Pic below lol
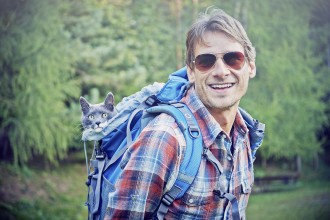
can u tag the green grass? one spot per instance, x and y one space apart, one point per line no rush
60 193
310 200
52 195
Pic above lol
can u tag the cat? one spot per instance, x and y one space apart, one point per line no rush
96 117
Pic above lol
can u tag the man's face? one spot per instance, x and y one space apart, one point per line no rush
221 87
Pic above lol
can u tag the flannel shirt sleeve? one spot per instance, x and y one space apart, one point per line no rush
147 165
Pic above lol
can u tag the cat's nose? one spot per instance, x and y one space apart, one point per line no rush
98 123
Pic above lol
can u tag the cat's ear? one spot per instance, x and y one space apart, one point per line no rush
84 105
109 101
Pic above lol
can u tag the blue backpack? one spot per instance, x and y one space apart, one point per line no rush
134 113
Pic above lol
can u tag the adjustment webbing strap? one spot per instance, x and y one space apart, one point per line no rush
234 205
97 196
116 156
167 200
129 138
210 157
86 158
221 193
232 200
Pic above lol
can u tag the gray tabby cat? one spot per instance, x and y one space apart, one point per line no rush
96 116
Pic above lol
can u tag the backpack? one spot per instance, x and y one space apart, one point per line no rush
134 113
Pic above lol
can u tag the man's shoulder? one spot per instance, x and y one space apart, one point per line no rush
164 125
162 122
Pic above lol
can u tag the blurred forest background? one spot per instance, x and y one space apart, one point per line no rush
52 52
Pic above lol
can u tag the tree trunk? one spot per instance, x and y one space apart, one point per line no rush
263 163
179 54
316 161
298 164
195 8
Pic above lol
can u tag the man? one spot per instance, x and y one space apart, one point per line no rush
220 61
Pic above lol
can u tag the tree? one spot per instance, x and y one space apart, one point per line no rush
320 35
52 49
124 44
285 94
36 81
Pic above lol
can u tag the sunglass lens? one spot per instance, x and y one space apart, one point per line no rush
234 59
204 62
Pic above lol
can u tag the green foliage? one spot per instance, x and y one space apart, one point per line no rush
36 80
285 94
121 44
52 49
320 36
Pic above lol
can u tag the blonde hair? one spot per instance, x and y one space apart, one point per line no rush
217 21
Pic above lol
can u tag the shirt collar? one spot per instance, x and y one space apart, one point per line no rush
239 124
210 128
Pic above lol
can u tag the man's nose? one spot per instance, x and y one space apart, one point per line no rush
220 68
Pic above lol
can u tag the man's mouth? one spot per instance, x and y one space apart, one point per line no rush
221 86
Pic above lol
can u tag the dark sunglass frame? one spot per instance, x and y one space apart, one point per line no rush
234 60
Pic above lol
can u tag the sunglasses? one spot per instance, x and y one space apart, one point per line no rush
234 60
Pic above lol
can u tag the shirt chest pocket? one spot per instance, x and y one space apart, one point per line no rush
246 186
243 179
198 197
195 204
243 172
198 201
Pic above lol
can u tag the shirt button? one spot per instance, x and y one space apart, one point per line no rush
191 201
228 157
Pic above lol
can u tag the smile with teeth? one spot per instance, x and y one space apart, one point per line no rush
222 86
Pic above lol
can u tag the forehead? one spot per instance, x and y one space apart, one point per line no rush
217 42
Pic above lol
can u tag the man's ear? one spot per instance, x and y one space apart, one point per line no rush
191 75
253 69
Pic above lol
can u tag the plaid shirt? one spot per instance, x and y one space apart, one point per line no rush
151 164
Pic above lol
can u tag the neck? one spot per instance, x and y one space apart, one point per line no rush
225 118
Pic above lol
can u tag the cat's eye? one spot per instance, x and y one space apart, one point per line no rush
91 116
104 115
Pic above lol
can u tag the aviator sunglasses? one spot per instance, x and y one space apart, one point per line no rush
234 60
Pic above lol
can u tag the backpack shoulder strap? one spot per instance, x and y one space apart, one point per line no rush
193 153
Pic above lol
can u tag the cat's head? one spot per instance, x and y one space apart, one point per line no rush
97 116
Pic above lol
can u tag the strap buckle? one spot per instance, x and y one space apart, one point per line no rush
219 193
167 199
151 100
192 130
100 156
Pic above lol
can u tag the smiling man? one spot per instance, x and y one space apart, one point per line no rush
220 62
219 69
